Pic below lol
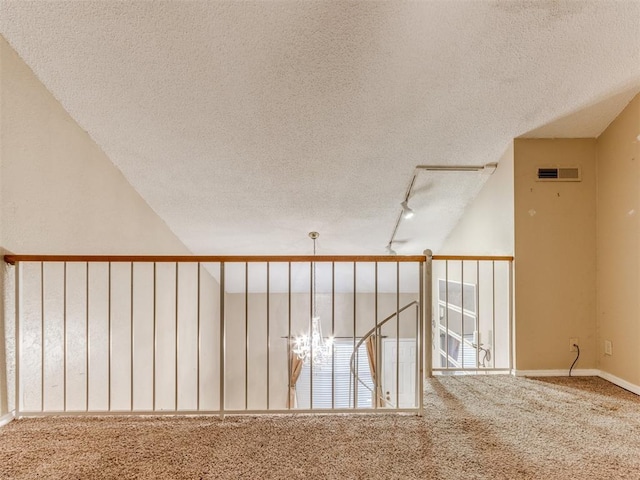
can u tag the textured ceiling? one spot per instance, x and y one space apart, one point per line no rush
246 125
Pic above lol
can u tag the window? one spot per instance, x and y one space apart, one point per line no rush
457 323
342 380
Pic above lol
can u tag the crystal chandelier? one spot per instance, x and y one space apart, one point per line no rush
313 346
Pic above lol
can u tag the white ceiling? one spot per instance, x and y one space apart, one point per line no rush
246 125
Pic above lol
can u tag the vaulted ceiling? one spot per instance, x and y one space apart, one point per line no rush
245 125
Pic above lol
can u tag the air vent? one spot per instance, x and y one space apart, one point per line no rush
559 174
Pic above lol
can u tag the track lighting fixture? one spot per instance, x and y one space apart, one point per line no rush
406 211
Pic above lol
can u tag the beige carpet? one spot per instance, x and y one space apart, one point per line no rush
488 427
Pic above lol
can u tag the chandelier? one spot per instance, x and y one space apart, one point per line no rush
312 345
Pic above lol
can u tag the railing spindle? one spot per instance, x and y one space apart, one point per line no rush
477 325
420 333
222 339
355 379
42 365
18 358
397 335
177 339
493 319
110 337
311 289
87 340
246 335
289 386
268 334
462 343
64 337
132 337
333 330
510 301
446 312
426 315
376 338
199 340
155 335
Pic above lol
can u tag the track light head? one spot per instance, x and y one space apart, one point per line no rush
406 211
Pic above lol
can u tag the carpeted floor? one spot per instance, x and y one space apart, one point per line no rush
486 427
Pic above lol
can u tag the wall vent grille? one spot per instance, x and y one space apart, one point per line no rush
559 174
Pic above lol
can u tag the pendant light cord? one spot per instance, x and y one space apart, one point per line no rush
315 303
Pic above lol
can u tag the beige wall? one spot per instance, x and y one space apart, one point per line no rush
555 248
486 227
59 192
618 241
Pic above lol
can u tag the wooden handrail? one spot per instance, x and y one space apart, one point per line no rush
11 259
473 257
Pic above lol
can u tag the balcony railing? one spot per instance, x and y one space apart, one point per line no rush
209 335
213 335
473 316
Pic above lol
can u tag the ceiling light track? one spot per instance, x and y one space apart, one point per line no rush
407 212
490 167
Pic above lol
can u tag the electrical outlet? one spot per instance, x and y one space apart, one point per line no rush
572 342
608 347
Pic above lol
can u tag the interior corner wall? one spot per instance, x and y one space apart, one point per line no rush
555 255
486 227
60 194
618 243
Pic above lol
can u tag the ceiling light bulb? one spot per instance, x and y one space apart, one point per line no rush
406 211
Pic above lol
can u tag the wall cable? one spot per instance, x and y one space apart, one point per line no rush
577 357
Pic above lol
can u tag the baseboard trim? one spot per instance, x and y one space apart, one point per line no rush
581 372
578 372
6 418
620 382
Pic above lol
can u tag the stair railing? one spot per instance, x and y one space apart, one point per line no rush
376 381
